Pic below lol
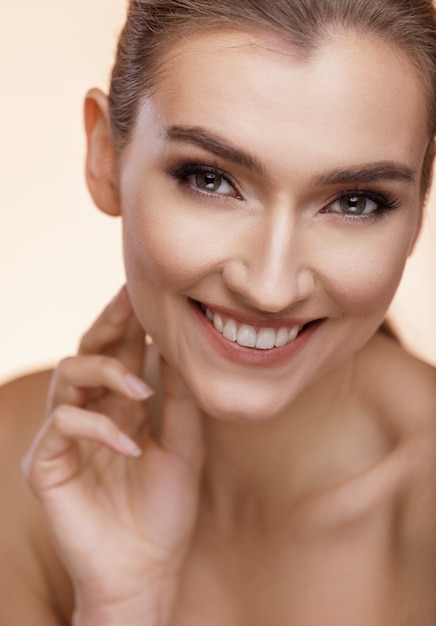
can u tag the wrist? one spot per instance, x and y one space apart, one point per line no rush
150 608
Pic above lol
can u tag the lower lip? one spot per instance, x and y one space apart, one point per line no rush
252 356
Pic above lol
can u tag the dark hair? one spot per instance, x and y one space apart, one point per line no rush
153 27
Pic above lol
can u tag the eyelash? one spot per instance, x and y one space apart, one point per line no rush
385 205
385 202
182 173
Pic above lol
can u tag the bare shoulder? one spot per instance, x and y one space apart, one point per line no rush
395 394
34 587
22 405
401 389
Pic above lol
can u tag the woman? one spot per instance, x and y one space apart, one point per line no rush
270 162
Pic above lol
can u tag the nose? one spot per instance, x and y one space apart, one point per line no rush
270 268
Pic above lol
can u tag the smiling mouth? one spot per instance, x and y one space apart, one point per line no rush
248 336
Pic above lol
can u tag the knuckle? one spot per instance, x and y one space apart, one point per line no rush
66 362
103 428
103 361
61 375
110 366
63 367
60 414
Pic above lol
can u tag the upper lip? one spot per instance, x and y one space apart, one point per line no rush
273 321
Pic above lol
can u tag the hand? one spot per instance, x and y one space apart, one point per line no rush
121 512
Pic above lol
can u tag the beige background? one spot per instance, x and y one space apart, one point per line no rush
60 260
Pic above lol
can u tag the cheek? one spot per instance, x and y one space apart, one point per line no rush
364 274
153 254
167 250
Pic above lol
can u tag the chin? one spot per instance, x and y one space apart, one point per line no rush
239 404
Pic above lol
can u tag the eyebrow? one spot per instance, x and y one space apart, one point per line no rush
383 170
210 142
366 173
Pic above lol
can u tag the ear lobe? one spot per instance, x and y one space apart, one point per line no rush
101 154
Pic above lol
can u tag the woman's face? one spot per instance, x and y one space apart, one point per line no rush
265 195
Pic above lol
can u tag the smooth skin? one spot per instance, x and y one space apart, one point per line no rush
294 494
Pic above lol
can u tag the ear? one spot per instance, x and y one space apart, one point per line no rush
101 154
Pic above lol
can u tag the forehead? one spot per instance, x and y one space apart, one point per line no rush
355 98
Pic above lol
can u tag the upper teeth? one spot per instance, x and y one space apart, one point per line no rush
247 336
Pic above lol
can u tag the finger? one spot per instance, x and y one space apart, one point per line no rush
181 421
130 349
75 375
54 456
109 327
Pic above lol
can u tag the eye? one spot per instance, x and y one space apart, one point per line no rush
211 182
206 180
362 205
356 204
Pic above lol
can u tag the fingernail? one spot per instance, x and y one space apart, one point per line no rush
129 446
137 386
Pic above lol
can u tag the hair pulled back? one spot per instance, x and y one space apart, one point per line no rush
153 27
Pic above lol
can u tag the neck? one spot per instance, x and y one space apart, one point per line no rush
257 470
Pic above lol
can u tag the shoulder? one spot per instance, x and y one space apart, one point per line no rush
401 391
22 408
22 400
31 577
395 397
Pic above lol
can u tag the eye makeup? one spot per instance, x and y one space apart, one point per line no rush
212 183
359 205
192 175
